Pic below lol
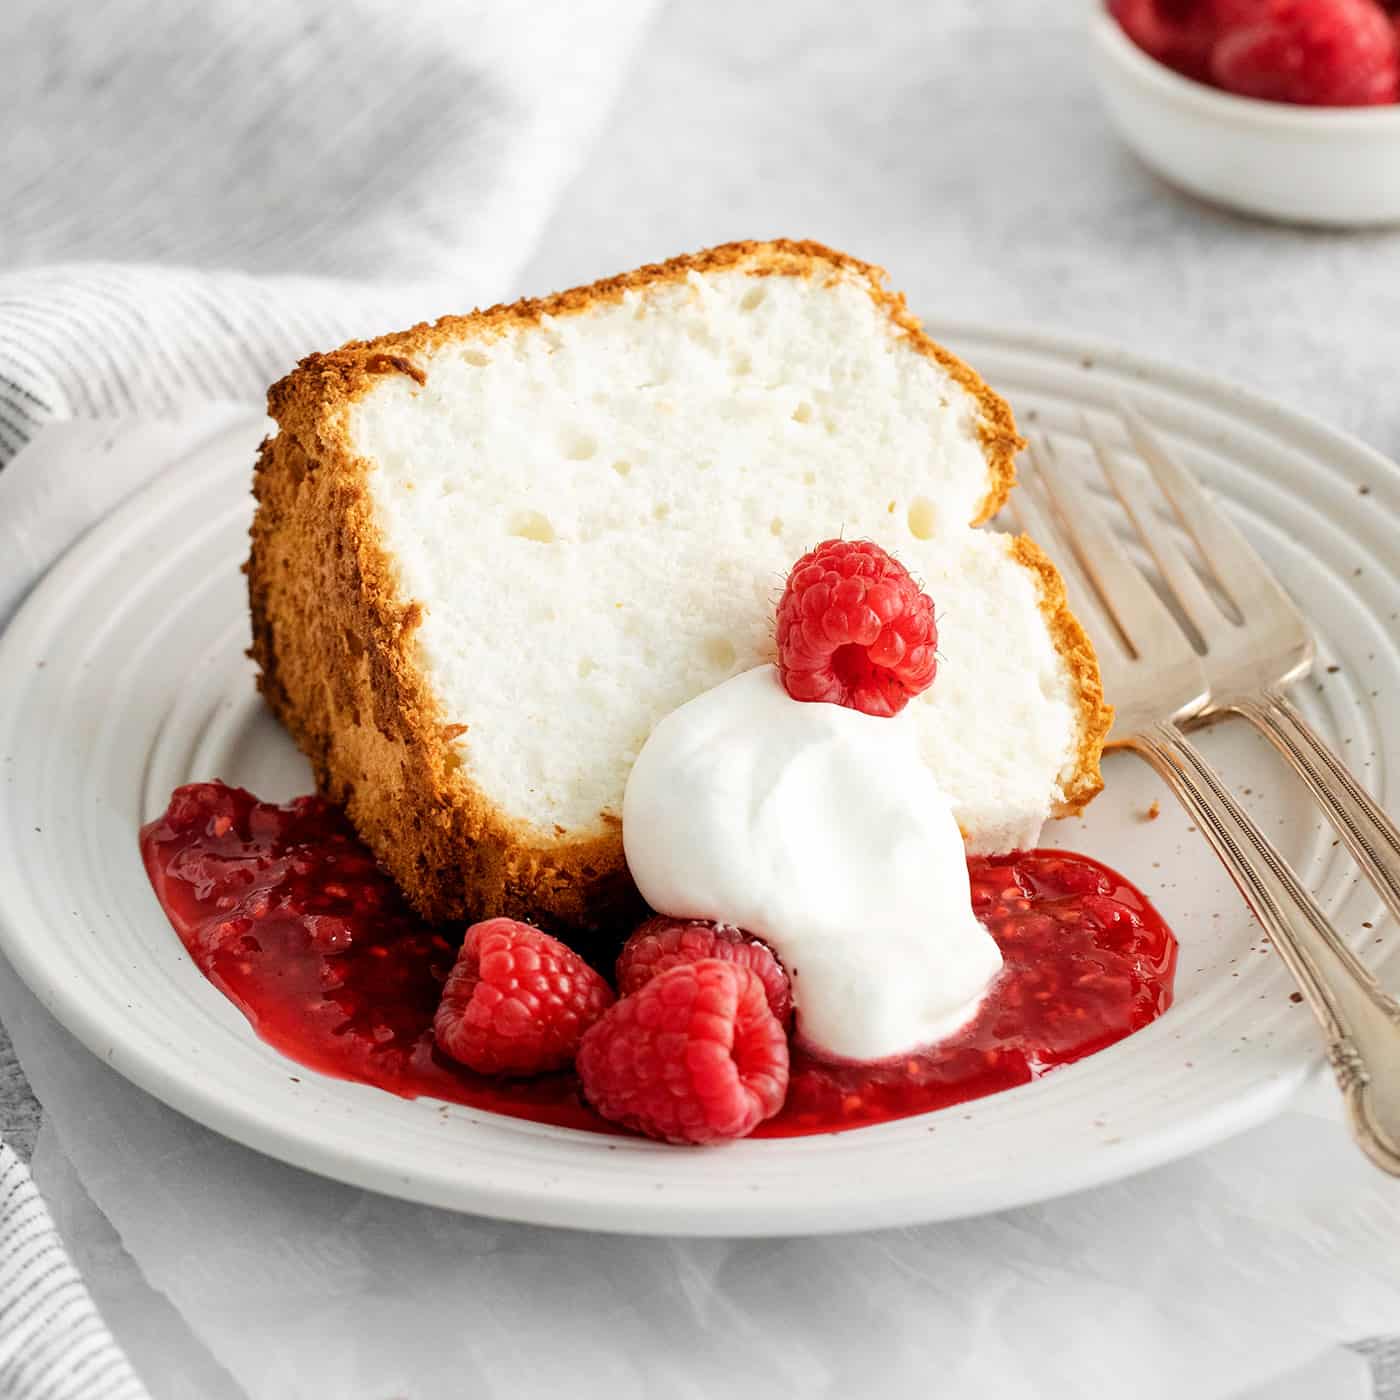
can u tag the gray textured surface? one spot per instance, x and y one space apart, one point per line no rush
19 1109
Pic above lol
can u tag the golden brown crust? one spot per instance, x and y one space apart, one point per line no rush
333 636
1072 642
333 643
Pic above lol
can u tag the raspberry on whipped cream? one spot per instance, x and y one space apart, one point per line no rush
855 629
821 831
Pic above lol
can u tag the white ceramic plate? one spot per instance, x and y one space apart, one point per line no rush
124 675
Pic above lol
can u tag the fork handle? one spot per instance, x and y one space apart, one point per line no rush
1361 1023
1369 834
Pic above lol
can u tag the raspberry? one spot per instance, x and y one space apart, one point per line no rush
662 942
517 1001
694 1056
1179 33
1321 53
854 629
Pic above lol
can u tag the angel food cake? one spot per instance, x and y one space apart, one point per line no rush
491 554
663 600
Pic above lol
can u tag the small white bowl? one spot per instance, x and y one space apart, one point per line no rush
1338 167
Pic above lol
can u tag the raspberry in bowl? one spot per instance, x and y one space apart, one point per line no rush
1283 109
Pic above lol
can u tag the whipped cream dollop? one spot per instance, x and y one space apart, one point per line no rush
822 831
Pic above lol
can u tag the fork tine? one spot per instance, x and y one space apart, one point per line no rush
1231 558
1176 570
1126 596
1035 518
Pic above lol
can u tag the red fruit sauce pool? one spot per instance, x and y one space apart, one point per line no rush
288 915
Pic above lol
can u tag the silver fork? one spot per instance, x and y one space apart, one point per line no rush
1156 681
1248 663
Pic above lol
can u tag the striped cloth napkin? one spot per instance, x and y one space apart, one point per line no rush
52 1341
197 194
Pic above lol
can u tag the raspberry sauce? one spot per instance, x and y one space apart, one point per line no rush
288 915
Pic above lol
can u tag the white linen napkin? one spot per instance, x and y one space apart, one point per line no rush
176 1364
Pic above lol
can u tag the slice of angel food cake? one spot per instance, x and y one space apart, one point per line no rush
491 554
